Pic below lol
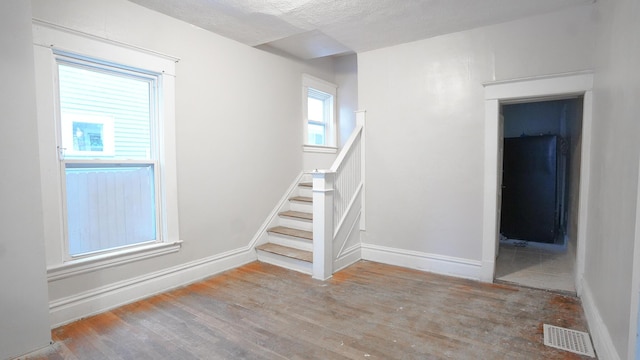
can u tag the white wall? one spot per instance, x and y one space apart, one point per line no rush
614 176
425 112
424 145
346 69
238 139
24 322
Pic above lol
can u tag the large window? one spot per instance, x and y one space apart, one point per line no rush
319 112
108 151
106 130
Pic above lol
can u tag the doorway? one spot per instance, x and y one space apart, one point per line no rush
500 92
539 192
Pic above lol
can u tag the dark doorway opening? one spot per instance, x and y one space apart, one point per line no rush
539 196
541 166
532 188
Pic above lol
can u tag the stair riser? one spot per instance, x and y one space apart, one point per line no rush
285 262
291 242
301 206
305 191
295 223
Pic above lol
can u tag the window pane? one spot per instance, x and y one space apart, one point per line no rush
104 114
316 134
109 207
315 109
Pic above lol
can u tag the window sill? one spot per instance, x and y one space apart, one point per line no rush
103 261
320 149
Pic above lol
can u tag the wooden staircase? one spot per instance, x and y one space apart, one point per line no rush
286 238
290 242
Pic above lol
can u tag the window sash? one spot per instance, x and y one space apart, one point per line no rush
149 228
120 142
116 204
316 109
312 135
324 119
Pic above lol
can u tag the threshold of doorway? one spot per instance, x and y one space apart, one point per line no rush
554 291
540 266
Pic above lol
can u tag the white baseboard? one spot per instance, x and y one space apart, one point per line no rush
439 264
68 309
600 335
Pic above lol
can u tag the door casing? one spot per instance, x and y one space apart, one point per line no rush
546 87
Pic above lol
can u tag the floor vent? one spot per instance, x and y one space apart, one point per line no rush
570 340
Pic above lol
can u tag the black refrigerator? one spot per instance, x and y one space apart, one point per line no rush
529 189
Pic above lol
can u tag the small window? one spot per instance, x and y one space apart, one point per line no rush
319 110
319 116
109 155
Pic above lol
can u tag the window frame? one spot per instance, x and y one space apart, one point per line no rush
330 124
80 160
49 42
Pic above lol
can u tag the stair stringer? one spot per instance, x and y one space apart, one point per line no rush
261 236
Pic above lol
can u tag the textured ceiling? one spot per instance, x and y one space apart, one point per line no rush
315 28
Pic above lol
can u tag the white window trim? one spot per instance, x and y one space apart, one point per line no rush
309 81
70 159
46 38
320 149
113 258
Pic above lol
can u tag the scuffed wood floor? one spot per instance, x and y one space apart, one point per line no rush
367 311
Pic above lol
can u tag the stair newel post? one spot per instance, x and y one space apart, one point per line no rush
323 191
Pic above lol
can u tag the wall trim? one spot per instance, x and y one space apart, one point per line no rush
87 35
634 323
570 83
439 264
320 149
600 335
98 300
103 261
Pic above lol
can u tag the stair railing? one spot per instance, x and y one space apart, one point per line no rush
338 211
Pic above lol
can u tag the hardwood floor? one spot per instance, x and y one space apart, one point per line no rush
367 311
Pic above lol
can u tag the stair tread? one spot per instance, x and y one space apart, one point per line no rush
287 251
302 198
306 184
303 234
297 214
